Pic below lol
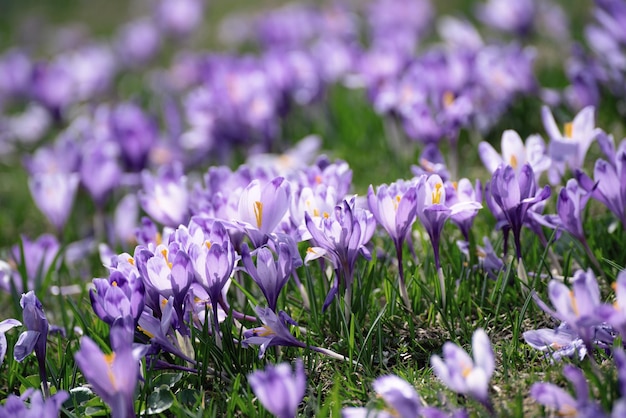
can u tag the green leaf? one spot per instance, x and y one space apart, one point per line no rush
167 379
160 400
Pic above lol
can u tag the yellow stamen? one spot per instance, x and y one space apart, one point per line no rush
448 98
265 331
466 371
568 130
396 202
318 179
144 332
326 215
109 359
455 185
316 212
436 194
310 250
574 304
480 253
114 284
158 238
163 303
258 213
208 245
131 261
513 161
167 261
614 286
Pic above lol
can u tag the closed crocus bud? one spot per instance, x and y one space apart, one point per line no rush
280 389
165 196
135 132
271 275
100 170
54 195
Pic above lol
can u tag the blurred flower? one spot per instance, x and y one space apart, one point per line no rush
555 397
464 375
279 389
179 17
556 343
39 259
100 171
54 195
135 132
37 406
165 197
274 332
112 376
121 295
463 192
5 326
514 16
138 41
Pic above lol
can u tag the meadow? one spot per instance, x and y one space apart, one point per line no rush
390 208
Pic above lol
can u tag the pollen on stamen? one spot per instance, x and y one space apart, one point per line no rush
568 130
114 283
131 261
466 371
109 359
258 213
436 194
513 161
574 304
448 98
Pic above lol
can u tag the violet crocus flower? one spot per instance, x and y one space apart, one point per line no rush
556 343
36 335
515 195
37 406
135 132
555 397
570 147
138 41
570 206
433 213
262 207
610 177
100 171
179 17
165 196
54 195
112 376
271 275
118 296
577 307
459 192
280 389
341 238
394 209
515 153
274 332
514 16
39 259
400 398
5 326
463 375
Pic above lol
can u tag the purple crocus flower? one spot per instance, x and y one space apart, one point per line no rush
274 332
6 325
341 238
279 389
399 395
36 335
270 275
615 314
556 343
515 195
262 207
433 213
121 295
100 171
394 209
569 207
610 177
514 16
15 72
515 153
179 17
135 132
555 397
138 41
570 147
463 375
165 197
461 192
37 406
54 195
112 376
577 307
39 259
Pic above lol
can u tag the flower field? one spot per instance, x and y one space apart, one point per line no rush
378 208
